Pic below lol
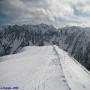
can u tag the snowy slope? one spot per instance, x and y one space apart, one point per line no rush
43 68
77 76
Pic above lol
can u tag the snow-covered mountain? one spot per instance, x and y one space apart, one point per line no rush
75 40
42 68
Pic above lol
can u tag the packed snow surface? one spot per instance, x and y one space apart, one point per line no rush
43 68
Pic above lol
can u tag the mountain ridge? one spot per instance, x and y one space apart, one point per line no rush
43 68
74 40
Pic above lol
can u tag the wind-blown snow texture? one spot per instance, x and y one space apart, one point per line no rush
75 40
43 68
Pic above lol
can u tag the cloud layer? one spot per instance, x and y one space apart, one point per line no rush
56 12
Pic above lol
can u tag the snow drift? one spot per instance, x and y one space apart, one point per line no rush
43 68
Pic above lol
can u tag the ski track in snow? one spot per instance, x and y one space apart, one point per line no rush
43 68
78 78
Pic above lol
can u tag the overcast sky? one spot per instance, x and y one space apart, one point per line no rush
56 12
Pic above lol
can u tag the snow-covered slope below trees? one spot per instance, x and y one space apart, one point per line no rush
43 68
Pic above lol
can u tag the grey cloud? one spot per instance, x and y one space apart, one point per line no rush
36 3
8 9
54 12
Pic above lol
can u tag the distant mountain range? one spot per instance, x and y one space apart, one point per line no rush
75 40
